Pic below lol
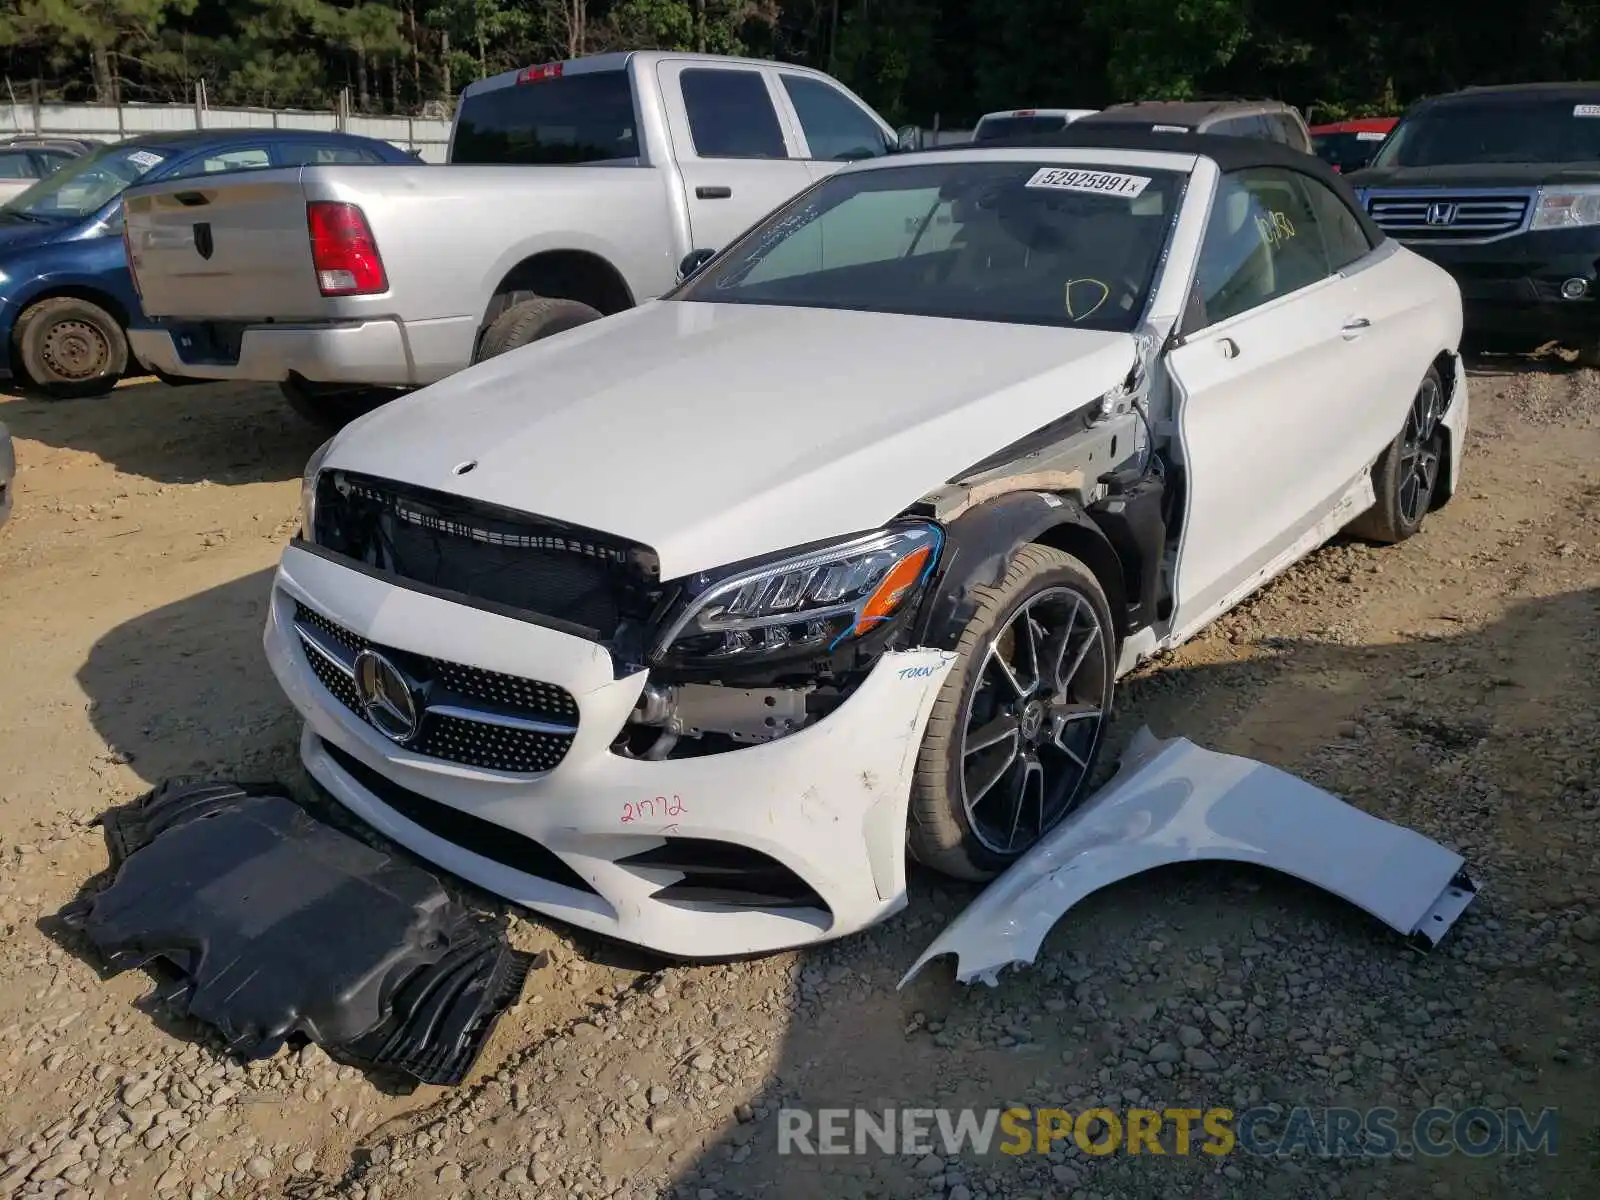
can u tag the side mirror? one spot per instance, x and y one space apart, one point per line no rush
908 137
693 261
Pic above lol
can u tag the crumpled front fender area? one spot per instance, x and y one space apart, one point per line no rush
1172 802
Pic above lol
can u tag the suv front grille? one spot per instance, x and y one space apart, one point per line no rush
1439 216
589 582
467 715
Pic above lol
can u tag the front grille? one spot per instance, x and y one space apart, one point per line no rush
1426 216
468 715
587 581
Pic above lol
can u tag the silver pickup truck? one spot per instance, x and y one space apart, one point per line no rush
573 191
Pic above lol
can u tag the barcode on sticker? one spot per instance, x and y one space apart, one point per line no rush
143 158
1099 183
1586 110
1369 135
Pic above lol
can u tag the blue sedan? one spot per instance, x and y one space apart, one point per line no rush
65 294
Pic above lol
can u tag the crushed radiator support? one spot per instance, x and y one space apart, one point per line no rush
278 925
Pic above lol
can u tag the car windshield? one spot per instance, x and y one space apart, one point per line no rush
992 129
83 185
1534 131
1026 242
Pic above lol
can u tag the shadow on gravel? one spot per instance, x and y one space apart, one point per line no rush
227 433
1252 967
185 690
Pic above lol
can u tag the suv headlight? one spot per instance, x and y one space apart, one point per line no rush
308 491
1566 208
807 602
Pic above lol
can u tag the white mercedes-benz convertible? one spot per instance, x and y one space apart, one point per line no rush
688 624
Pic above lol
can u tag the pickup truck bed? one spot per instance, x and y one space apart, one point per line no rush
263 316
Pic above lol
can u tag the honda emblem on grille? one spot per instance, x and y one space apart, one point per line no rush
1441 213
386 697
203 244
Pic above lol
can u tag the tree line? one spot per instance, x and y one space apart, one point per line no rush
912 59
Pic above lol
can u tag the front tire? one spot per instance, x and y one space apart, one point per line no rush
1016 730
69 347
530 320
1406 474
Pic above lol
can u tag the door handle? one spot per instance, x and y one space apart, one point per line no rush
1227 347
713 193
1354 328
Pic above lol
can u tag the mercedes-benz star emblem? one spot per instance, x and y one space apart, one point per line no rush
386 697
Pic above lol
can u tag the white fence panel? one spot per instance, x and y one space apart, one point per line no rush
109 122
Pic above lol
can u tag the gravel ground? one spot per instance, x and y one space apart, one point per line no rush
1448 684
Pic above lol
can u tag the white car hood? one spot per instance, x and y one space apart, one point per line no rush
715 433
1173 802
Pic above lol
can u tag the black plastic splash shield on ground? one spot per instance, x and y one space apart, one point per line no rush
278 924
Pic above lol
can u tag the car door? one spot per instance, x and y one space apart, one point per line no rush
1389 320
736 158
834 128
1263 376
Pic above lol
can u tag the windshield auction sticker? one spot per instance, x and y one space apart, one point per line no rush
1586 110
1099 183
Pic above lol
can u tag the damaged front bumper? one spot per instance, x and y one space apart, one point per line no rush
772 845
1173 802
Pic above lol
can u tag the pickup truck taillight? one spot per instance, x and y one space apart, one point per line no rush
343 250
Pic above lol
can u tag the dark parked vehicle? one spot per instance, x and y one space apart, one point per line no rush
65 293
1271 120
1501 187
1349 145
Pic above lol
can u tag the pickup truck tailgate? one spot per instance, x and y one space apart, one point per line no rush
230 248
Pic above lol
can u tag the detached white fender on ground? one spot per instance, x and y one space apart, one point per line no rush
1172 802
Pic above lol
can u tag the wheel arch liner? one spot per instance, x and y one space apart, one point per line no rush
1172 802
278 924
978 549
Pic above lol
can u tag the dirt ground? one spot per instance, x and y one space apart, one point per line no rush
1450 683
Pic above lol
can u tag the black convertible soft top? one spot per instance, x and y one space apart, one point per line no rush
1229 153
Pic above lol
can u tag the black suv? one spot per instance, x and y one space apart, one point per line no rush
1501 187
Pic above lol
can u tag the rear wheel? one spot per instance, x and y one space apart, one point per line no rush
1015 733
333 407
530 320
1406 474
70 347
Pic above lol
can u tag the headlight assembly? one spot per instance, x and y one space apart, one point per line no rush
811 602
308 491
1567 208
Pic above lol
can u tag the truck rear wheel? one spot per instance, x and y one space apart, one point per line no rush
331 407
70 347
531 319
